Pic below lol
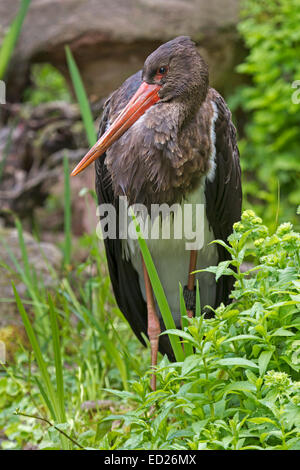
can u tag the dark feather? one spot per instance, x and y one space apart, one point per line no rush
224 194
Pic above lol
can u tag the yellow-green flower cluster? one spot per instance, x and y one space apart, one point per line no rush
279 380
249 216
249 221
284 229
274 259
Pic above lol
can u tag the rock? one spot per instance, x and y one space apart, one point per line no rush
34 165
111 38
41 256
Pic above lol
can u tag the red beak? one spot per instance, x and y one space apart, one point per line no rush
144 98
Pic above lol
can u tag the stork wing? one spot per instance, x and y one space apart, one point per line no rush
224 194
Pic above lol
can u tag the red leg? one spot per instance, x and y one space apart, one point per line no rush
191 277
153 324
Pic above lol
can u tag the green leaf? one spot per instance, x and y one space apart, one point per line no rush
262 420
190 363
181 334
219 408
283 332
263 361
241 337
222 268
236 361
240 386
198 301
291 415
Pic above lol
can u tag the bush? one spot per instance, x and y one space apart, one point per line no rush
270 147
240 388
47 84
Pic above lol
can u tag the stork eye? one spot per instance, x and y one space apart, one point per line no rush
162 70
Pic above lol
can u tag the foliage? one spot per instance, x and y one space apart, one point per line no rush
47 84
239 389
270 147
94 347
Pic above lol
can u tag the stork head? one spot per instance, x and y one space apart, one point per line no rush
179 70
173 72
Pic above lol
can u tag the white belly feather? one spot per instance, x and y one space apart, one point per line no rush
171 259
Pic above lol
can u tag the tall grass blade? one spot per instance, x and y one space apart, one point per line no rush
84 313
45 397
47 390
198 300
81 98
38 355
57 360
30 280
159 293
11 37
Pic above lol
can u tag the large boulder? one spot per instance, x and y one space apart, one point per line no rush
111 38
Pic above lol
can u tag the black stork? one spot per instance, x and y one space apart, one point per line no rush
166 137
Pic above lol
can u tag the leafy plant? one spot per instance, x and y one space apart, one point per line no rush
47 84
270 146
240 388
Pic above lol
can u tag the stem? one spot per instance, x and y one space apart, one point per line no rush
19 413
212 411
240 277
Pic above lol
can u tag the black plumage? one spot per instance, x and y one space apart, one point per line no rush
223 193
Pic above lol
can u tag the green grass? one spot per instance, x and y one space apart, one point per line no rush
75 324
54 399
11 38
81 98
